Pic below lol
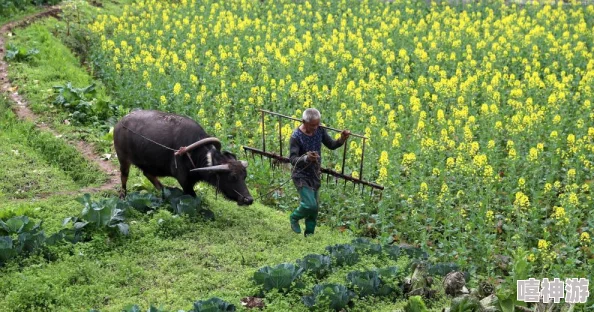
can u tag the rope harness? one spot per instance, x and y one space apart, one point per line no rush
181 151
304 156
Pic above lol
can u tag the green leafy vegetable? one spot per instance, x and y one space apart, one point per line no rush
212 305
465 303
366 283
319 265
364 245
415 304
280 277
343 254
333 296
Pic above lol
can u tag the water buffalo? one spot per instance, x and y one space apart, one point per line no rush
163 144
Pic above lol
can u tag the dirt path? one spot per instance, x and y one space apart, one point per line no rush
22 110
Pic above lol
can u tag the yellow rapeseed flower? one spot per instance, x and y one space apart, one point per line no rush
543 244
177 88
384 161
522 200
585 238
490 215
521 183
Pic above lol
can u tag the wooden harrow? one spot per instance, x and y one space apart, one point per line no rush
329 172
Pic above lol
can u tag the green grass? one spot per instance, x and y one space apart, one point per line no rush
7 18
54 65
209 259
36 162
26 173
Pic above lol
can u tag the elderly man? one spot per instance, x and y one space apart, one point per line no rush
305 155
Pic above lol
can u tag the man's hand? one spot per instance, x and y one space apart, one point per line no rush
344 135
313 157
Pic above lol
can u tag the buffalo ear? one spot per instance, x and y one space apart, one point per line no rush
229 154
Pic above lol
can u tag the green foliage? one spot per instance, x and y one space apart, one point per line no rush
143 202
83 104
39 161
170 226
377 282
146 264
492 304
507 292
442 269
390 279
414 252
187 205
10 7
392 251
363 245
415 304
465 303
319 265
19 235
279 277
183 204
365 283
343 254
136 308
14 53
212 305
332 296
107 213
55 65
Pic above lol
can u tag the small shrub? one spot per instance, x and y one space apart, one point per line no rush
14 53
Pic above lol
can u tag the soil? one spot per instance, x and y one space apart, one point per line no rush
22 110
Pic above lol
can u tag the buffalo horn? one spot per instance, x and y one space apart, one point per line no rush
216 168
197 144
244 163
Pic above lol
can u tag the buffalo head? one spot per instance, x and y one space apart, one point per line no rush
227 174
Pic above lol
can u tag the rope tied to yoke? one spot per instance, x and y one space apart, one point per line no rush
176 152
302 158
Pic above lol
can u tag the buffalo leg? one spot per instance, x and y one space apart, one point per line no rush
187 186
124 172
189 189
154 180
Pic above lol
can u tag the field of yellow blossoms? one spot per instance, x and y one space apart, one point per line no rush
480 116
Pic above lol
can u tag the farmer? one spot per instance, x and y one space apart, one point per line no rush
306 144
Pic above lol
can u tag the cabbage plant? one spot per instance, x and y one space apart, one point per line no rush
280 277
343 254
332 296
318 265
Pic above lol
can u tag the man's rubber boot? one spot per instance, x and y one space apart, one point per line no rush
295 225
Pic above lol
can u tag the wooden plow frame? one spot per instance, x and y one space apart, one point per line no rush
329 172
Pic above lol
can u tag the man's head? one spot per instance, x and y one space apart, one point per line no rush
311 119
